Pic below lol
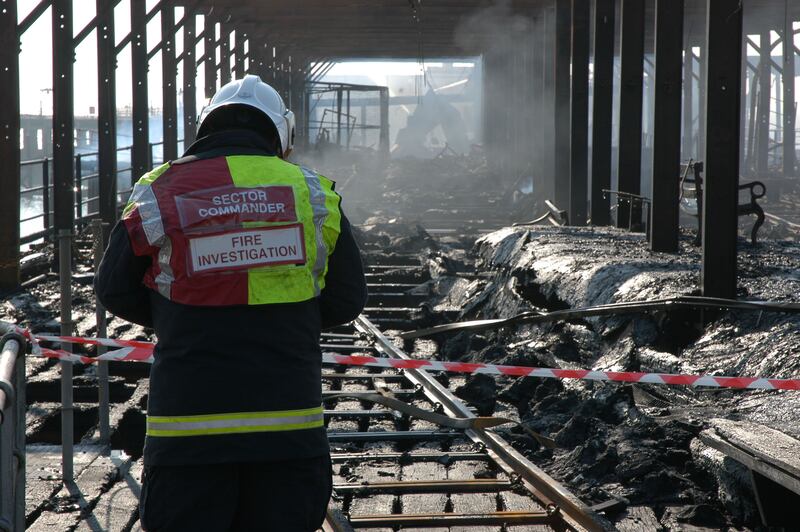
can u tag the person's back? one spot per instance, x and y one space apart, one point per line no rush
237 259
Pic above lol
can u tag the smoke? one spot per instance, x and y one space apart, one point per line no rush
516 109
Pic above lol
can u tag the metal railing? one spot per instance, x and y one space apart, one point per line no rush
86 190
12 430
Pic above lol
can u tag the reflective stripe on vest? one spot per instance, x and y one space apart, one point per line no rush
238 423
156 229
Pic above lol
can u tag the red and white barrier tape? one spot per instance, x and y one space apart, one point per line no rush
138 351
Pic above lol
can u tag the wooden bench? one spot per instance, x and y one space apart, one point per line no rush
691 198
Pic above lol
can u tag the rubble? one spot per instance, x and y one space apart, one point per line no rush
634 442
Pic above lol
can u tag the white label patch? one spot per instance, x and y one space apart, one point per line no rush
248 248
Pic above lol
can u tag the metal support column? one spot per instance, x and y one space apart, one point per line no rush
579 113
562 96
789 108
189 77
720 193
224 54
764 101
63 116
602 110
9 148
106 112
169 76
67 408
239 55
140 157
210 58
383 142
688 103
548 109
630 110
666 129
539 113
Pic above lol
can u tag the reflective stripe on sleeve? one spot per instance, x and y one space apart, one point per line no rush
317 198
235 423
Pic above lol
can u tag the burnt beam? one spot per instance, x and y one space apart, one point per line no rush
63 116
666 128
562 102
169 76
630 110
9 148
602 110
720 193
106 113
579 112
140 156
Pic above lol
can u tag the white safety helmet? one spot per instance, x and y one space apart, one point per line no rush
253 92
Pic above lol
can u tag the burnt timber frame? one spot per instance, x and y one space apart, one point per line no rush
602 110
720 194
630 110
664 208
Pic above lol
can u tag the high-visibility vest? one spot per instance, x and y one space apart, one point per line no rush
234 230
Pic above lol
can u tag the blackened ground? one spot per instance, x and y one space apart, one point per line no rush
636 443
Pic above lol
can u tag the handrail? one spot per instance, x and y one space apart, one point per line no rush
12 429
79 201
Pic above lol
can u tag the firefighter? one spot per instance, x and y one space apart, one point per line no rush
237 259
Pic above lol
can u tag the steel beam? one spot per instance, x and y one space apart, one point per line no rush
630 109
562 105
666 129
720 193
688 151
789 109
224 54
210 47
63 116
106 113
579 112
383 142
189 78
9 148
239 55
764 99
540 105
169 77
548 96
602 110
140 156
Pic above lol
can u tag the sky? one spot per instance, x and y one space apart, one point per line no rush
36 61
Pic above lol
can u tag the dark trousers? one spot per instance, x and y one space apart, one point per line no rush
289 496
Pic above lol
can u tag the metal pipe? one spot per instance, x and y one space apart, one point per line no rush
65 276
100 317
634 307
12 434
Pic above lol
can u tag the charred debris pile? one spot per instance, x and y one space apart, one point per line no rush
637 443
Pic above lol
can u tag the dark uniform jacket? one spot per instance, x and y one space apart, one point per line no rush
234 358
